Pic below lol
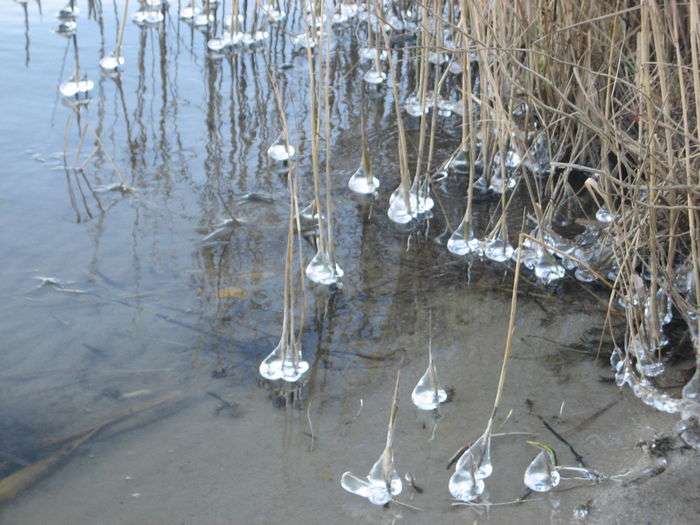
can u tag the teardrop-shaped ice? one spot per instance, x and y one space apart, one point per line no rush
541 475
413 106
427 395
498 250
111 62
603 215
189 12
381 484
463 242
285 365
271 367
363 182
280 152
547 268
464 486
374 77
398 211
384 479
219 44
478 456
320 270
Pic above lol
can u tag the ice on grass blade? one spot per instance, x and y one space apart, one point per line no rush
498 249
111 62
463 242
541 474
383 481
400 211
427 394
188 12
363 182
472 468
281 152
647 362
381 484
369 54
547 268
271 367
73 88
284 363
303 41
219 44
414 107
320 269
374 77
603 215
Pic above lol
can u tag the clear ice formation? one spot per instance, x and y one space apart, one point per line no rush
381 484
281 153
541 474
498 249
320 269
473 466
648 363
547 268
464 242
374 77
419 202
148 17
73 88
427 394
603 215
111 62
284 363
363 182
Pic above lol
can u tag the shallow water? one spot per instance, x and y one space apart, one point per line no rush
148 310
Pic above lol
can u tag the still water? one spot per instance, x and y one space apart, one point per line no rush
139 309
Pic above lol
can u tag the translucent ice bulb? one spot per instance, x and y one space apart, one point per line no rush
374 77
427 395
498 250
283 364
321 271
463 242
280 152
473 466
647 363
111 62
362 181
541 475
381 484
399 212
547 268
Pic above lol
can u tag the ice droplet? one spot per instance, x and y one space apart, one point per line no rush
498 250
320 269
427 395
381 484
547 268
473 466
541 474
463 242
363 182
